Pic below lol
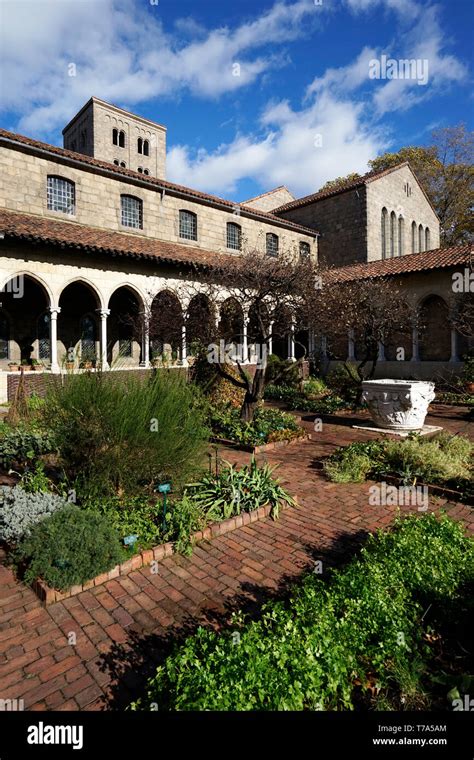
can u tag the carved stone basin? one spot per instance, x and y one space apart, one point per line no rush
398 404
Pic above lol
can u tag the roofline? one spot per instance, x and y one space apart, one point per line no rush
269 192
364 180
94 99
127 175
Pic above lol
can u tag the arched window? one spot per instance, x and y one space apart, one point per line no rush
116 162
121 139
393 234
4 337
427 239
146 148
401 235
384 233
272 244
187 225
132 211
61 195
88 338
146 171
115 137
234 236
140 145
140 170
44 343
413 237
123 164
435 330
421 239
304 250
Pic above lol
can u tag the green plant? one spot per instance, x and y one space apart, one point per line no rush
315 386
35 480
69 548
280 371
468 369
19 445
20 511
234 491
320 648
183 519
116 436
133 515
267 425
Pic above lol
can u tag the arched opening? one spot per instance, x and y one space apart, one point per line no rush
413 238
121 139
146 148
124 328
281 331
23 301
231 321
200 323
435 332
78 325
140 145
393 234
427 239
421 239
384 232
401 236
166 321
258 330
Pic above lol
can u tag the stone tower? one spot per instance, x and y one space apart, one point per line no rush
111 134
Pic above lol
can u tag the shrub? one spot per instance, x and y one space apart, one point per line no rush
344 382
351 469
116 435
20 511
315 386
135 516
282 372
19 445
267 425
312 651
238 490
70 548
184 518
36 480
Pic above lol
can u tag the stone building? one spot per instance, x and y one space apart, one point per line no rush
93 231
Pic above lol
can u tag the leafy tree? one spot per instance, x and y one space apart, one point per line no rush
334 184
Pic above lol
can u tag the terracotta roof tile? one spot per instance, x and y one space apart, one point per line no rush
439 258
38 229
154 182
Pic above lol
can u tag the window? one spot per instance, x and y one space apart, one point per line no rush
121 139
188 225
44 344
393 233
407 188
272 244
401 235
61 195
146 148
140 170
234 236
132 213
4 337
123 164
413 237
304 250
146 171
140 145
115 137
384 233
427 239
421 239
88 339
116 162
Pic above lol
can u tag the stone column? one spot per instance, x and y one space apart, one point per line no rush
103 313
145 362
245 350
311 343
324 347
270 340
53 337
415 345
351 346
291 342
454 346
381 354
184 347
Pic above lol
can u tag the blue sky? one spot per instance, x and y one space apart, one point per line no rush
255 93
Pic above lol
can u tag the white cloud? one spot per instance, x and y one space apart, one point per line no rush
123 54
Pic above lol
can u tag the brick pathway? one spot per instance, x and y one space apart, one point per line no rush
123 628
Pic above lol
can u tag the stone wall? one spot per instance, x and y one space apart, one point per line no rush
23 180
399 192
272 199
341 220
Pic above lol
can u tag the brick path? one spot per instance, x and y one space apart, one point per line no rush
126 626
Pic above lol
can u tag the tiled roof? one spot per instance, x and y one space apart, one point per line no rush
440 258
38 229
154 182
364 179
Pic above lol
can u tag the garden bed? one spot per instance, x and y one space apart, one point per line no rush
50 595
260 449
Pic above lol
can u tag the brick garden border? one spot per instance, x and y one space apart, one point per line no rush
258 449
48 595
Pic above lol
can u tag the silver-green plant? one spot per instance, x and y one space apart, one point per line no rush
20 510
